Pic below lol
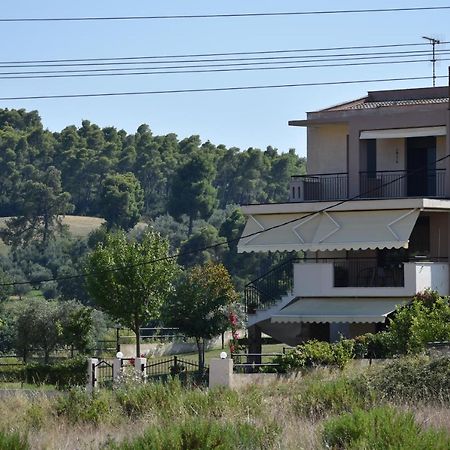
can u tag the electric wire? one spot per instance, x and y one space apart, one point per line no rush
225 15
216 89
238 61
144 71
195 55
224 242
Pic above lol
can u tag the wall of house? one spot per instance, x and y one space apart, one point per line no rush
327 149
317 280
390 154
439 228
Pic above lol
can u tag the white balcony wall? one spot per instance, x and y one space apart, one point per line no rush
317 280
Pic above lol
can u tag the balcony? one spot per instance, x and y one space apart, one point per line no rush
339 277
373 185
399 184
366 278
312 188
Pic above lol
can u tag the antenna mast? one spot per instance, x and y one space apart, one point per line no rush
433 43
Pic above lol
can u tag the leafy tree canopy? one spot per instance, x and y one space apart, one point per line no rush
131 279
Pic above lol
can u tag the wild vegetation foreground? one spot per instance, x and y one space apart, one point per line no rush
404 405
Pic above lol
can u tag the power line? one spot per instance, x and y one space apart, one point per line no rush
195 55
255 60
225 15
230 241
218 89
115 73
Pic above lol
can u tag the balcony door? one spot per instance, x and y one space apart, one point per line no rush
421 166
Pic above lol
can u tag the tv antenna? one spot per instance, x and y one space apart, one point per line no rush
433 43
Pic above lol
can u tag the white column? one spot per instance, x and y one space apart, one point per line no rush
92 374
117 369
221 372
139 365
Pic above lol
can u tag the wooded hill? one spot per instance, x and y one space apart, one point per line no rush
187 189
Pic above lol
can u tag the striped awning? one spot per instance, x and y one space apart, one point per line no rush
330 230
337 310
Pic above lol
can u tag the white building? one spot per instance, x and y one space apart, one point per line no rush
371 218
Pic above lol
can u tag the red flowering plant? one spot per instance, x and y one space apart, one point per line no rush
236 324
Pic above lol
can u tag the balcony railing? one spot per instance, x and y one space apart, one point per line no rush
367 273
381 184
400 183
307 188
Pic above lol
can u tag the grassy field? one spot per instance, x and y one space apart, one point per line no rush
400 406
79 226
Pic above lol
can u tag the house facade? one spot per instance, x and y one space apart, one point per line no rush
369 223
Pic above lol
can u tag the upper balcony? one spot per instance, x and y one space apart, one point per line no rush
373 185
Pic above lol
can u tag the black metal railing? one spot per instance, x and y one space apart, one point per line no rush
367 273
400 184
268 289
332 186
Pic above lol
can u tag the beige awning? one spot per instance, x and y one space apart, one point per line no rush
404 132
331 230
336 310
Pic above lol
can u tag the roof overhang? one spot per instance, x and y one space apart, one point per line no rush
339 310
404 132
328 230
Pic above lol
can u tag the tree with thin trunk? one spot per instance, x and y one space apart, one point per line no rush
130 280
200 304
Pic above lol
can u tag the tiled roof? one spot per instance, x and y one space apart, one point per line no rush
365 103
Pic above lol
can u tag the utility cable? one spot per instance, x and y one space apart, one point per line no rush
218 89
144 71
225 15
198 55
225 242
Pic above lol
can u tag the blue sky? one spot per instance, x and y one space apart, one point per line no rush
243 119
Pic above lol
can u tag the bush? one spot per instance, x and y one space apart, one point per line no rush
71 372
414 379
204 434
381 428
314 354
12 373
320 398
13 441
80 406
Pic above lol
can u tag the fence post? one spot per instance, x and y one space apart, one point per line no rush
92 374
221 372
139 365
117 369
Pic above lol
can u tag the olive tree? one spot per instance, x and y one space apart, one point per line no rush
130 280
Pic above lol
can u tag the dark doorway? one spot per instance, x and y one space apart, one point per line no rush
421 166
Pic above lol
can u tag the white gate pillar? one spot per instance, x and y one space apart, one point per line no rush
117 369
139 365
92 374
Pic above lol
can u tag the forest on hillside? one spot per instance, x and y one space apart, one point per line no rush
186 189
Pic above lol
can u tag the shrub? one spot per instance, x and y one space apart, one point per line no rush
414 379
314 354
381 428
320 398
64 374
80 406
13 441
204 434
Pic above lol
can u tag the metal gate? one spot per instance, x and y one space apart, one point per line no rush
187 371
102 373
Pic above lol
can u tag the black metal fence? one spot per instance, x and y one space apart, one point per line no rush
401 183
255 362
367 273
333 186
102 373
186 370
